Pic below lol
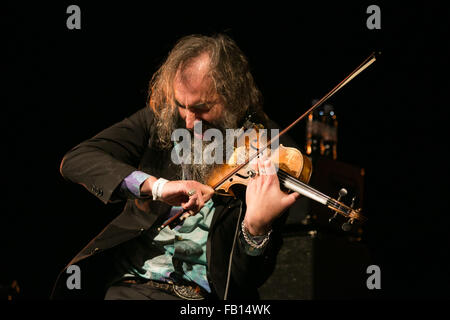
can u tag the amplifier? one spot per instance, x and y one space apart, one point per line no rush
313 265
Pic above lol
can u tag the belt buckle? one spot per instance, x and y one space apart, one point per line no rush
187 292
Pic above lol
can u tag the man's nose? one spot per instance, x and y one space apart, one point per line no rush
191 117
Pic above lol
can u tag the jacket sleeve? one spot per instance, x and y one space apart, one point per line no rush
101 163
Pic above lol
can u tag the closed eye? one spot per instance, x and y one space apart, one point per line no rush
202 107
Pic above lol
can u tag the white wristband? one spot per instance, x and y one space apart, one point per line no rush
158 188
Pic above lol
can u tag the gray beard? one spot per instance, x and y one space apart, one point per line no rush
201 171
198 171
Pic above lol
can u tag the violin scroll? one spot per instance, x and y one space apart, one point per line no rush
347 211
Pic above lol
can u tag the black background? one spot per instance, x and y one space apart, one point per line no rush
64 86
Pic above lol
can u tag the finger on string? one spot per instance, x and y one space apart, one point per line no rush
296 195
289 199
261 167
269 167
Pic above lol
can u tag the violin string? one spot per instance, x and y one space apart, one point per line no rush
330 201
304 185
287 176
284 176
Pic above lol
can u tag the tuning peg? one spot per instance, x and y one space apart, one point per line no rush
342 193
347 226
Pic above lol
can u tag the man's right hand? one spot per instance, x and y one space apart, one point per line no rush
176 193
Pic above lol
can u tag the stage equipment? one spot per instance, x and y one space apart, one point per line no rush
321 132
314 265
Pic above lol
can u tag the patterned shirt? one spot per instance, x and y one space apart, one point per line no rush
182 250
172 254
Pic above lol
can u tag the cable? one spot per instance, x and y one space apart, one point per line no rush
225 296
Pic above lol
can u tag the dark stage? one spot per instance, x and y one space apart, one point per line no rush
64 86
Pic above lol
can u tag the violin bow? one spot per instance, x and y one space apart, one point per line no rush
364 65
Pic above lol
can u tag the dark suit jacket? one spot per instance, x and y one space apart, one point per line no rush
101 163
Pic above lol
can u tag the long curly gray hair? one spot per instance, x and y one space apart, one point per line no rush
229 71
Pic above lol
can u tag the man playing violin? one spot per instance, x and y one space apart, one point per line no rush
226 246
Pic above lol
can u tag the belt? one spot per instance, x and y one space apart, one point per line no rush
187 292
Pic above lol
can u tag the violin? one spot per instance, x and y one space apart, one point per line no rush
293 168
